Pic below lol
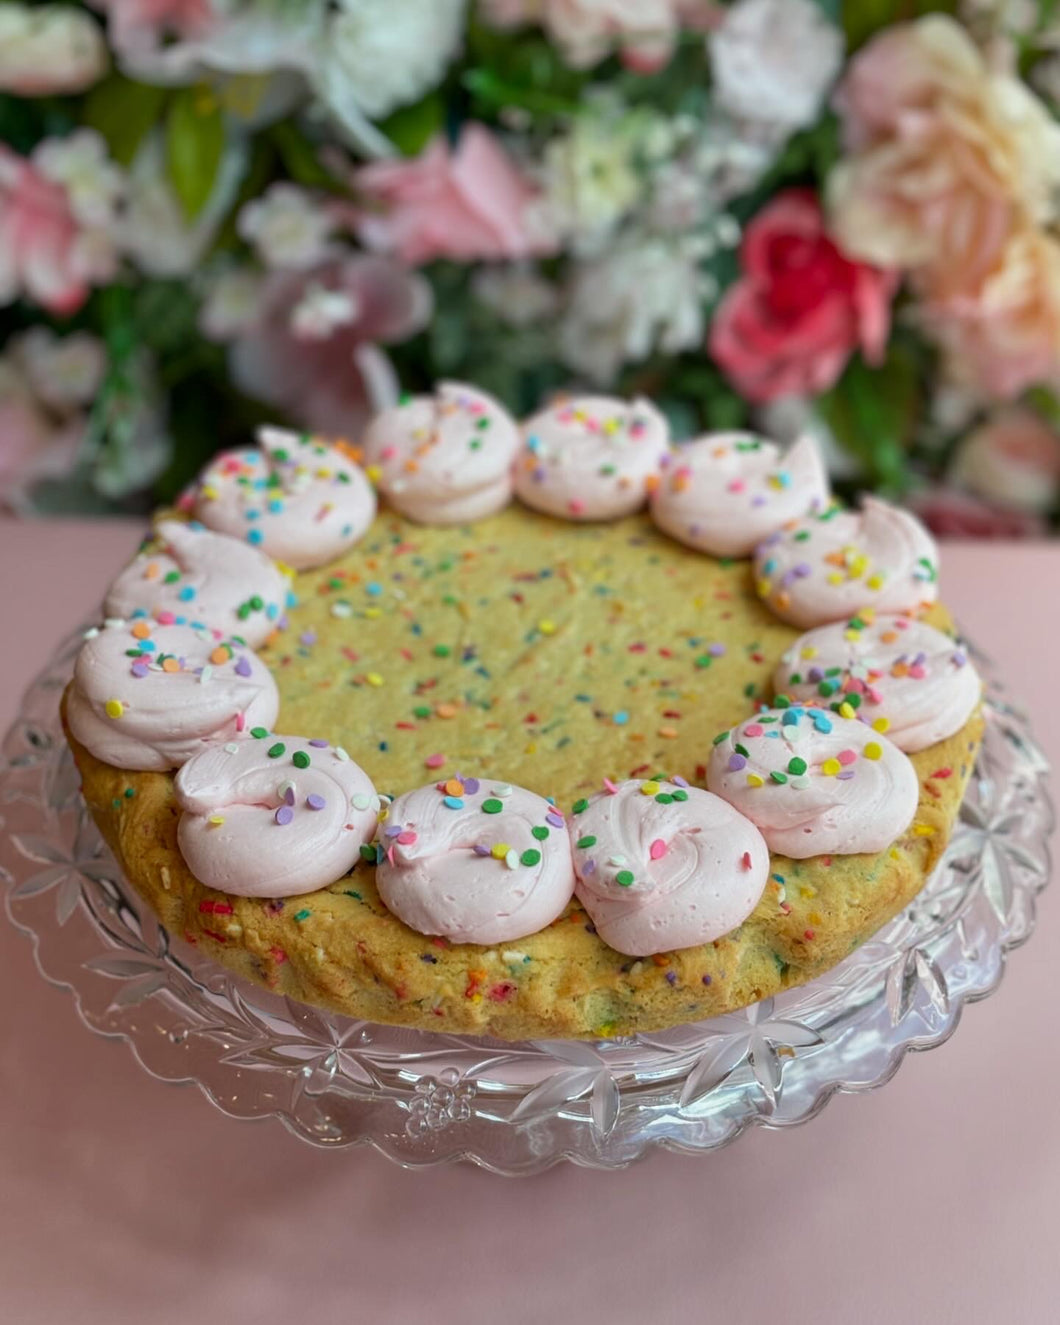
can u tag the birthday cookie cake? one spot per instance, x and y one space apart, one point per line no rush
576 733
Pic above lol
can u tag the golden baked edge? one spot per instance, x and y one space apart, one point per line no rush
341 949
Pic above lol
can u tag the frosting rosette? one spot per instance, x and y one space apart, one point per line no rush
444 458
295 496
477 861
900 676
725 492
833 565
592 458
662 865
196 577
148 697
273 816
815 783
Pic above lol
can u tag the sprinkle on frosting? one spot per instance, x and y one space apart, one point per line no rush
899 676
480 871
298 497
726 492
592 458
445 458
840 563
856 792
660 866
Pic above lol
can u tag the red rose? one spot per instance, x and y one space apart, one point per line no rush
791 322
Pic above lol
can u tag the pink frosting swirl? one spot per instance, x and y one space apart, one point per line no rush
273 816
592 458
446 458
200 578
815 783
478 862
905 677
831 566
727 491
298 498
149 698
662 865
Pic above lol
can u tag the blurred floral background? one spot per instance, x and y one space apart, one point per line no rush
779 214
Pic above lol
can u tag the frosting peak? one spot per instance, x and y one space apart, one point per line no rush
202 579
150 697
725 492
662 865
273 816
445 458
476 861
815 783
592 458
298 498
830 566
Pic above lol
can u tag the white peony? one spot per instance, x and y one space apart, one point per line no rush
774 61
63 372
49 49
392 51
639 298
231 303
591 176
94 184
287 228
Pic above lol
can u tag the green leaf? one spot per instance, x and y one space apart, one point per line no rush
862 19
124 112
300 158
195 141
411 128
873 412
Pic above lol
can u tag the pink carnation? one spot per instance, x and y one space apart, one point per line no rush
45 253
800 309
312 348
466 203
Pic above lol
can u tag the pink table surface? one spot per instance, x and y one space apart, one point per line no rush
125 1200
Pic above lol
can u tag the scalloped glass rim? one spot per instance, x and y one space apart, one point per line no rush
424 1098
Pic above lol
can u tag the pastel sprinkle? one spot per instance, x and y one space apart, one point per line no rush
657 849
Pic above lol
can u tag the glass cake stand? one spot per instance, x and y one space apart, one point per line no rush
425 1098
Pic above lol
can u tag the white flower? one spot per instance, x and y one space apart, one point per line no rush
774 61
591 180
636 299
320 312
587 31
63 372
381 54
231 303
287 227
153 229
516 293
93 183
49 49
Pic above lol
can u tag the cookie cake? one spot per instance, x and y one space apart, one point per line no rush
542 730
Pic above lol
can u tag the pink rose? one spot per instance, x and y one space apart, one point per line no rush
466 203
45 252
311 349
791 322
1012 459
952 514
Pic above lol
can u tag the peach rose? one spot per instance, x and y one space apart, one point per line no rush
465 203
1012 459
948 155
1003 335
